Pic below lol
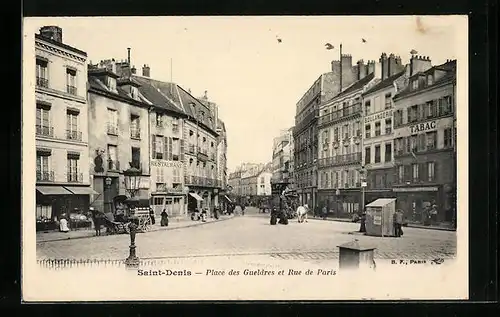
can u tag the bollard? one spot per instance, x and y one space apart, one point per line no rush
353 255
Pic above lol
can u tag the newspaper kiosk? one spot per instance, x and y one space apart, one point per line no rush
379 217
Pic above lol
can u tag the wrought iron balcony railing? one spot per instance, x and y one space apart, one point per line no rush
74 177
113 165
135 133
71 90
46 176
74 135
335 116
42 82
201 181
112 129
345 159
45 130
191 149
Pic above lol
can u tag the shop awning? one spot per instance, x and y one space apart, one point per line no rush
196 196
228 199
53 190
81 190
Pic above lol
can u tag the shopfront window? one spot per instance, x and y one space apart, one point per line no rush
401 173
414 168
430 171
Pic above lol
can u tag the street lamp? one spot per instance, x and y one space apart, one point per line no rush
108 181
132 176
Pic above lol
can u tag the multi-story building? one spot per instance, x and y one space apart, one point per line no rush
62 169
378 146
305 131
425 138
340 140
167 147
234 180
264 181
118 132
283 157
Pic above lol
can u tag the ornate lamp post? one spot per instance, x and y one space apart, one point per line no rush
132 177
362 173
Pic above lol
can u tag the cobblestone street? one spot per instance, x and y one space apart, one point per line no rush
315 241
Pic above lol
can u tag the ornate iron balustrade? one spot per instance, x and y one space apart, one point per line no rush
335 116
113 165
71 90
42 82
45 130
74 135
75 177
352 158
112 129
47 176
135 133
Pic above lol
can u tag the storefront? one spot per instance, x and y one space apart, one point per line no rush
172 203
54 200
414 201
340 203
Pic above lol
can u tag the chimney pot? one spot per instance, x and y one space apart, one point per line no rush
52 32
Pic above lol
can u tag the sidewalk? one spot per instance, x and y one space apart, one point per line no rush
410 225
175 223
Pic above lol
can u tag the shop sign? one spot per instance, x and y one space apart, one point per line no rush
167 164
377 219
421 127
416 189
379 116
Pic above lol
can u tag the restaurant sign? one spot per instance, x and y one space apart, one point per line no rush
424 126
167 164
378 116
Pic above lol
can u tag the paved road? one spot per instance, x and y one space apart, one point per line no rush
251 235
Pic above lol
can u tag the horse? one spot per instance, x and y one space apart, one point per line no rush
97 219
302 213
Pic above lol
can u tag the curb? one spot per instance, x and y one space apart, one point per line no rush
165 229
408 226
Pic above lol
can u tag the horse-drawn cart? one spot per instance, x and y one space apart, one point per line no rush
124 208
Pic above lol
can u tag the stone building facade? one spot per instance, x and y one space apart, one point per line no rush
425 141
62 169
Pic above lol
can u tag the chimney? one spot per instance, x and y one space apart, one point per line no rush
384 65
346 60
378 70
52 32
361 69
128 55
394 65
419 64
371 67
133 70
146 71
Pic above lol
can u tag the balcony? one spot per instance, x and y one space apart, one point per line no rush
191 149
74 135
213 157
305 122
71 90
44 176
112 129
113 165
42 82
175 129
345 159
135 133
165 189
135 164
191 180
45 131
202 154
340 114
75 177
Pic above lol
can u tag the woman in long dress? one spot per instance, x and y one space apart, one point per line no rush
63 224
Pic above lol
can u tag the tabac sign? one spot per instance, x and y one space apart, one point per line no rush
423 127
378 116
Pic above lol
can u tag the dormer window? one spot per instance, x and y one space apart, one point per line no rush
414 84
111 83
430 80
134 92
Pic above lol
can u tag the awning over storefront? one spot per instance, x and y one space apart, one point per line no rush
414 189
196 196
228 199
81 190
53 190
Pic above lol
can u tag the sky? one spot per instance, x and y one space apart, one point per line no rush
255 80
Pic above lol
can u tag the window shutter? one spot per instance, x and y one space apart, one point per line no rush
407 173
169 149
153 146
422 172
181 154
165 148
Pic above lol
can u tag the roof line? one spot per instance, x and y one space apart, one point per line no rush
180 99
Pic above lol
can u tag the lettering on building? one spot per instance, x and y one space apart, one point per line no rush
167 164
425 126
378 116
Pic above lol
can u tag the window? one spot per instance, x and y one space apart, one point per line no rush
73 175
388 126
176 176
447 138
388 101
42 79
388 152
111 83
135 127
414 84
445 105
134 92
430 171
421 142
113 158
367 155
367 107
160 176
112 121
357 128
159 120
401 174
336 133
414 169
72 132
42 168
431 109
136 157
413 143
43 212
431 140
377 128
377 153
413 113
368 131
430 80
159 147
398 118
345 131
176 150
71 81
43 121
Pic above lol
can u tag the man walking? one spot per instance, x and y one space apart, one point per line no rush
398 223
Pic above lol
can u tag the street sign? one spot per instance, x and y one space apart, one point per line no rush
363 184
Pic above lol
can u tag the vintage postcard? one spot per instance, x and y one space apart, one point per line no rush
245 158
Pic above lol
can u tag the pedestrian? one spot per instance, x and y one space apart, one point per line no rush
164 218
152 215
242 209
63 224
433 214
324 212
398 223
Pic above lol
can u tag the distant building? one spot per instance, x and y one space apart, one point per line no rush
283 158
425 141
62 167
